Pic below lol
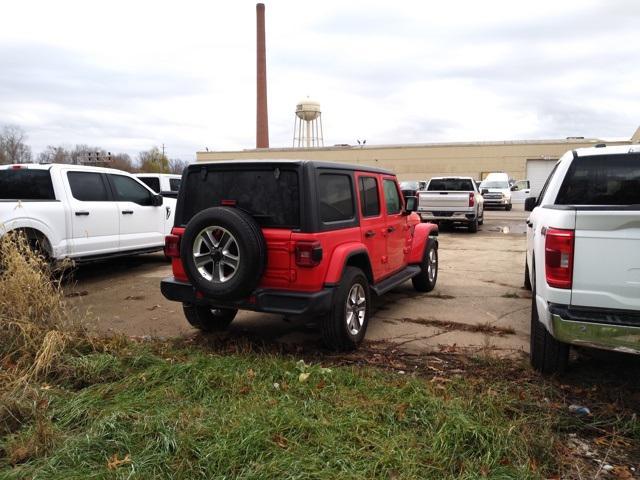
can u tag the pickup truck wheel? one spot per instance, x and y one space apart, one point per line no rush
547 355
507 207
481 219
473 226
345 326
208 319
426 280
223 252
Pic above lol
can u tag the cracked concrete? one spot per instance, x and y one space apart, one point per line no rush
479 285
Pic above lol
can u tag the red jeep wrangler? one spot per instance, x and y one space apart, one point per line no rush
296 238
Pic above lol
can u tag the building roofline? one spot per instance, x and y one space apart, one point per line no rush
563 141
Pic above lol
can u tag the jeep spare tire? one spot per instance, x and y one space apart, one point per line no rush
223 252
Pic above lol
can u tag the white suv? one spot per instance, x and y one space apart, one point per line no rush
583 256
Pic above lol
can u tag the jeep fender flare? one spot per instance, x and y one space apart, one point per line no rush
421 235
342 256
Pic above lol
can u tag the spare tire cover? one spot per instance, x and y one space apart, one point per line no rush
223 252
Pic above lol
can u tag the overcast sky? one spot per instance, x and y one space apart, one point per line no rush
128 75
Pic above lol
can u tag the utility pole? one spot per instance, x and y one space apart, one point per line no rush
162 160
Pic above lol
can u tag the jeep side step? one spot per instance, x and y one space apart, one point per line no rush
396 279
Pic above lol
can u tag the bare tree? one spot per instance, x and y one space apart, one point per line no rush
13 145
122 161
177 166
53 154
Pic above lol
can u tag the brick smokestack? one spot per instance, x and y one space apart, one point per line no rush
262 118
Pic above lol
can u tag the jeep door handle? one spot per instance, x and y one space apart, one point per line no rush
369 234
81 214
127 212
391 229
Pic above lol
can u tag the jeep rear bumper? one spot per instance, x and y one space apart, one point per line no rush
262 300
597 328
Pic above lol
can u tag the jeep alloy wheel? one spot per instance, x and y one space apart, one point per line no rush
223 253
355 309
216 254
344 327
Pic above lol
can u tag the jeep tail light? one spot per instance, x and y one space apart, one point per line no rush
558 257
308 254
472 200
172 246
172 250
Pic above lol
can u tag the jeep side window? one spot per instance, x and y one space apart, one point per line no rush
336 197
391 197
369 202
128 190
87 186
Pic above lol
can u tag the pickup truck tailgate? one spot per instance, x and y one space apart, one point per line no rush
606 262
443 200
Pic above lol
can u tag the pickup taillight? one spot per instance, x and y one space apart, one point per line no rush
472 199
558 257
308 254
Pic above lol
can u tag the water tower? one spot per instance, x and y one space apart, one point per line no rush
307 127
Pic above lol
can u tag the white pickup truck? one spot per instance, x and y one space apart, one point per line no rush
166 184
452 200
82 213
583 256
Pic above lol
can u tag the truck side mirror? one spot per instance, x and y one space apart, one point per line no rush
411 205
157 200
514 188
530 204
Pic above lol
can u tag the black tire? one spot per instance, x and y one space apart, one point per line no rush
208 319
423 282
547 355
248 245
336 334
473 226
527 279
481 219
507 207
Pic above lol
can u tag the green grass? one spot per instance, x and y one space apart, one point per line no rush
186 413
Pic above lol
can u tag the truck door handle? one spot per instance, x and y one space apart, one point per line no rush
391 229
369 233
127 212
80 214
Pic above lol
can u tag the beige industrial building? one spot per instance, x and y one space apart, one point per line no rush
523 159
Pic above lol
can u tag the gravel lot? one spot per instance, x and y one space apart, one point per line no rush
477 304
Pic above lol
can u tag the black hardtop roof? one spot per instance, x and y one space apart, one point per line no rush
311 163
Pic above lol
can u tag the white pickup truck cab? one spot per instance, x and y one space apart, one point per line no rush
166 184
583 256
82 213
453 200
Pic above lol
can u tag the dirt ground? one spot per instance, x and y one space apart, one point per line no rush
478 302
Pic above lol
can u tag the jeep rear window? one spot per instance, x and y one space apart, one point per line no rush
602 180
271 195
450 185
26 184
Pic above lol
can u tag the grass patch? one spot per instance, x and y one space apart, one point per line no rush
183 413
